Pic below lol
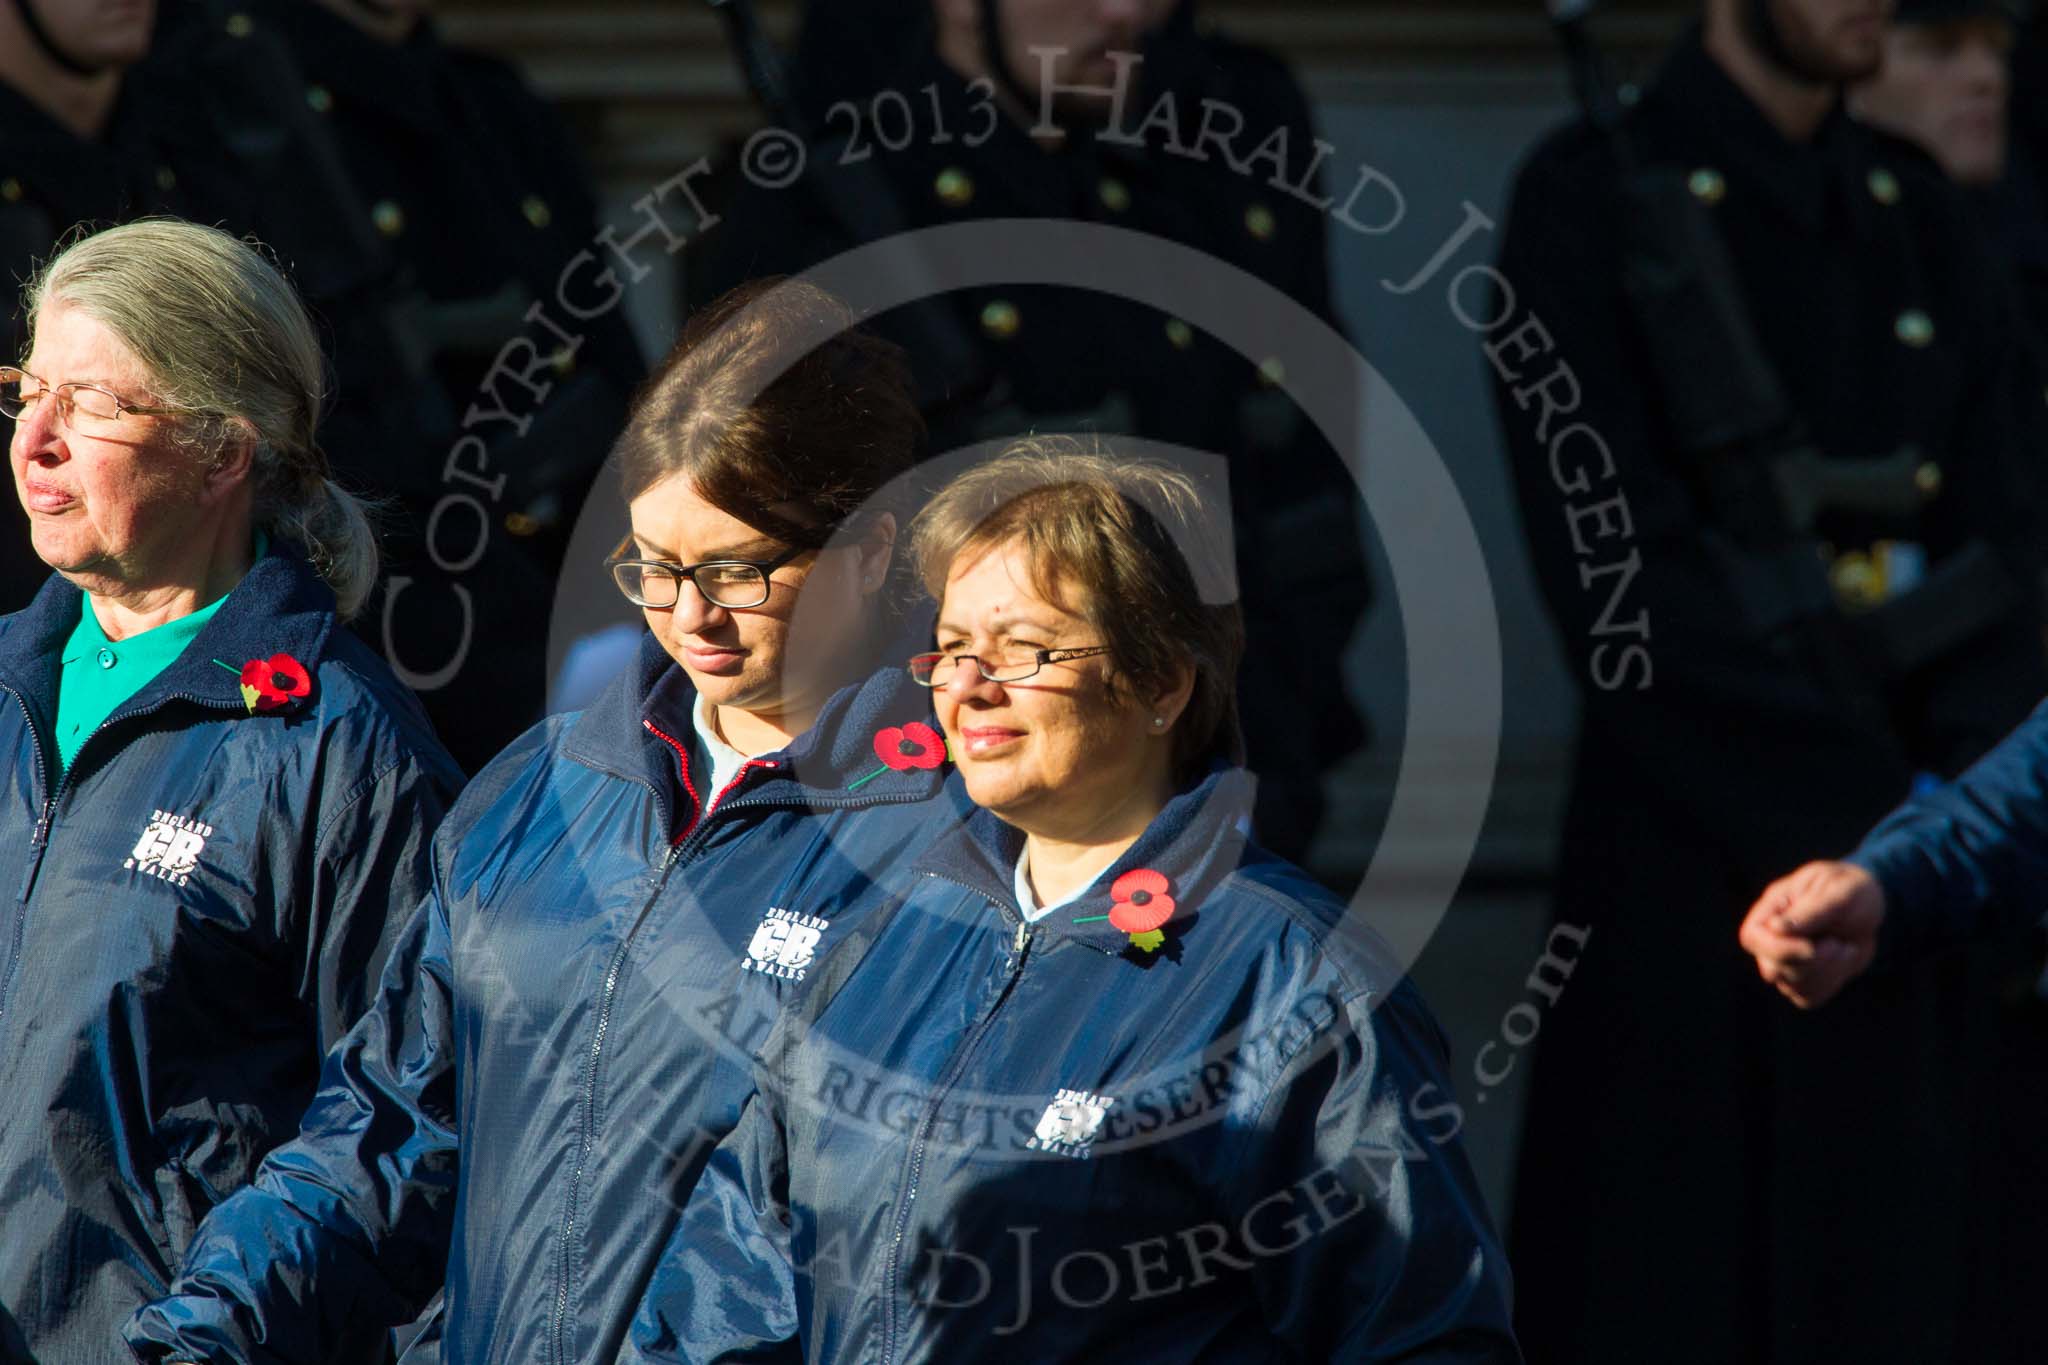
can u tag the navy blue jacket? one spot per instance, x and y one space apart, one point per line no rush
1968 858
982 1139
195 912
564 1033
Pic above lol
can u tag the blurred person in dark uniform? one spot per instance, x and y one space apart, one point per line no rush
433 210
88 139
1005 360
1945 85
1953 84
1796 629
1948 64
1948 86
2024 194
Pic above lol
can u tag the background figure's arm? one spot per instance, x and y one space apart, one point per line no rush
1970 858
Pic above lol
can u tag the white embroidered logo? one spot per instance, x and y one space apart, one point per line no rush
785 943
1071 1122
169 848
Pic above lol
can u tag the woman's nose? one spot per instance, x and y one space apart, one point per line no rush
967 683
35 433
694 611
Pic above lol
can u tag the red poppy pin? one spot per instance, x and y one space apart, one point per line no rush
904 747
274 683
1139 905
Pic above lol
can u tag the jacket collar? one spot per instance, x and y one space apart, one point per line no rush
1196 842
281 606
639 729
1803 180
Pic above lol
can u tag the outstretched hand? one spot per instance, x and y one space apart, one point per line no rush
1814 931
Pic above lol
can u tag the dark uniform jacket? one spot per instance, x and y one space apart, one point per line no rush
985 1138
900 131
1688 1158
430 207
2019 206
154 157
195 911
564 1033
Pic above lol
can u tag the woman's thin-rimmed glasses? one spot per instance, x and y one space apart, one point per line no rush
735 584
21 391
936 670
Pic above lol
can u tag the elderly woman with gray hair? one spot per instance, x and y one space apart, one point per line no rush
212 792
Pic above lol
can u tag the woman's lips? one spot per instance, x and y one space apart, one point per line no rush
712 660
981 739
42 497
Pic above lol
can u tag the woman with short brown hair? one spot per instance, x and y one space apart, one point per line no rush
1126 540
1145 1092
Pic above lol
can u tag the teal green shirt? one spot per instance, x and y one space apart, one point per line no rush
99 674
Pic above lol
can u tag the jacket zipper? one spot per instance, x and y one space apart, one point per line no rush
686 844
679 848
682 766
39 843
1020 947
606 993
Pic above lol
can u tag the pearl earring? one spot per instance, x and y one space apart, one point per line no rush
1159 722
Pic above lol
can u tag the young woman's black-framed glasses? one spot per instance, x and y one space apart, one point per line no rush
21 391
735 584
936 670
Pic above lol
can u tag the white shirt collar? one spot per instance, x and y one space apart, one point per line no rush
1027 899
725 760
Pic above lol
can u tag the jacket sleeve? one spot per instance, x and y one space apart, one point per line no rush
1352 1199
344 1232
725 1290
1970 858
371 857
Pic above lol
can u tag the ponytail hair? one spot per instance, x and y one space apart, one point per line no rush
334 529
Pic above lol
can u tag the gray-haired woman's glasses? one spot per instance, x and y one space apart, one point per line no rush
80 407
936 670
733 583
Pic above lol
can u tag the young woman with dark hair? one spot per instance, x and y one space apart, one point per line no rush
622 901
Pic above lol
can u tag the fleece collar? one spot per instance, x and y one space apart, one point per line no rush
864 749
281 606
1194 844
